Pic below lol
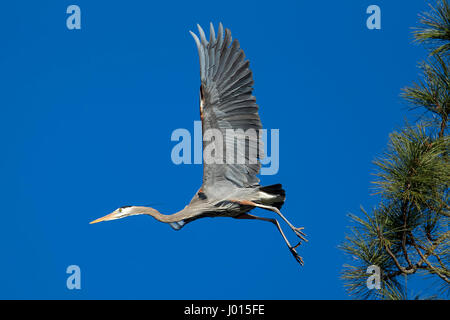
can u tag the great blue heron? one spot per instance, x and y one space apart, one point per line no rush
229 189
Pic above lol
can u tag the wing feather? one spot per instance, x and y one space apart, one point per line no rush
227 103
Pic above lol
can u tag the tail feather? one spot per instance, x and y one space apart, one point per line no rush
275 190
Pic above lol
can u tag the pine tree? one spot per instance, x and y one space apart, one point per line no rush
407 234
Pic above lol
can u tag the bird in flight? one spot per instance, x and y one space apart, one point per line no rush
228 110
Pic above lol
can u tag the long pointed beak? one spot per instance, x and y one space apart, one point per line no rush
111 216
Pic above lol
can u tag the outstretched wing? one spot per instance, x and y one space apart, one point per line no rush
226 102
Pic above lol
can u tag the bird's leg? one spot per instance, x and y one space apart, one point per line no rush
275 222
297 231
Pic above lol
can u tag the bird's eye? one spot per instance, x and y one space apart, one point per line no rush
120 209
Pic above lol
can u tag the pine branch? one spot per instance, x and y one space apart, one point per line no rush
407 233
435 29
433 91
425 259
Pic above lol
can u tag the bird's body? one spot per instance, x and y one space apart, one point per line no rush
234 203
231 144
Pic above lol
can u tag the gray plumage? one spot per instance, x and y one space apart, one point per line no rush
228 103
230 188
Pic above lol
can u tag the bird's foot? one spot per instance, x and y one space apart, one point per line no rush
300 233
296 255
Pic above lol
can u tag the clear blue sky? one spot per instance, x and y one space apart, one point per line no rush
86 119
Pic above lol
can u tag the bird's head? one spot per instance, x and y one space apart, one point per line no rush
120 213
